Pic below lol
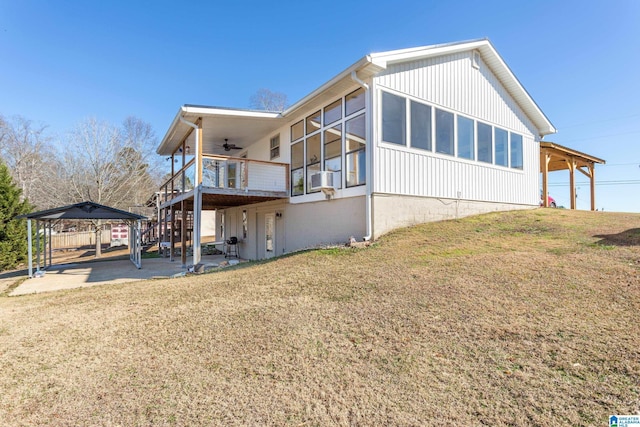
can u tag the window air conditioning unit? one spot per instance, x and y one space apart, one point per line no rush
323 181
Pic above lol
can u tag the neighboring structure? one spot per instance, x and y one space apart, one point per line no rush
398 138
555 157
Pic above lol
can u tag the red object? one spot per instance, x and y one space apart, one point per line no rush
552 202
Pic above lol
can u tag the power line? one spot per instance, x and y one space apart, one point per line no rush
620 164
618 182
613 119
602 136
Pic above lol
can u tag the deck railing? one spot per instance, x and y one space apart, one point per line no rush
230 173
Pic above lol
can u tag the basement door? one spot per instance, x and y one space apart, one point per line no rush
270 235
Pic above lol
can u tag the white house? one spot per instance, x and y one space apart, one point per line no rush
397 138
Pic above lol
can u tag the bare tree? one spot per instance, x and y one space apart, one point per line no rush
28 153
110 165
265 99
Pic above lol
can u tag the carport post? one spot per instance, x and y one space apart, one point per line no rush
29 248
37 245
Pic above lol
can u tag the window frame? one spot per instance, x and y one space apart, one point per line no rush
520 151
452 143
274 151
309 167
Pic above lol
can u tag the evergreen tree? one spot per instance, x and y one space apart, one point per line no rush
13 232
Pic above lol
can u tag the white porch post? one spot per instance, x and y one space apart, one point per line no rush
29 248
197 223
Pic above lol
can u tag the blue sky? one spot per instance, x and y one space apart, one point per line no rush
64 61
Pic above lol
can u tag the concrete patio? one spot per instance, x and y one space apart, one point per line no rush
101 272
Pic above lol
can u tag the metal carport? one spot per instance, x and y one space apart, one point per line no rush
82 211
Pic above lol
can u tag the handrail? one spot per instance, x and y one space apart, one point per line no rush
234 173
243 159
184 168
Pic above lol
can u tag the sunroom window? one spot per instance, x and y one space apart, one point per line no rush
333 153
297 169
313 159
466 149
502 147
355 151
516 151
420 126
485 143
354 102
394 118
444 132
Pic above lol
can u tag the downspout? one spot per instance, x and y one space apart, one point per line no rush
197 194
369 158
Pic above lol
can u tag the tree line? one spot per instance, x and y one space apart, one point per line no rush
96 161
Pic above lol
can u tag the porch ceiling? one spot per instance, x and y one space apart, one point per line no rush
240 127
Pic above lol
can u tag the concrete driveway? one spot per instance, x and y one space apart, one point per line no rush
85 274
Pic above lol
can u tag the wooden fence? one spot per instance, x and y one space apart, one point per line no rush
77 239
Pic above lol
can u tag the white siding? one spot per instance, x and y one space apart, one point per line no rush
416 174
453 83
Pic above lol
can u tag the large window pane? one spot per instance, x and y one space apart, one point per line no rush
465 138
502 142
485 143
394 118
297 131
354 101
313 122
356 168
333 142
516 151
355 133
444 132
333 112
420 126
297 155
297 182
313 149
312 170
335 165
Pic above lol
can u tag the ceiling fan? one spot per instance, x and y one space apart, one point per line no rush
229 147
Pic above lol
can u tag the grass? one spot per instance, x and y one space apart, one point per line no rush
521 318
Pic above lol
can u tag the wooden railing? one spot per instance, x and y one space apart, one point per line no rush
231 173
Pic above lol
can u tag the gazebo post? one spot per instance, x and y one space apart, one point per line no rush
37 245
44 244
50 245
29 248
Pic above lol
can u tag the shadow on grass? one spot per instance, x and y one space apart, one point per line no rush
629 237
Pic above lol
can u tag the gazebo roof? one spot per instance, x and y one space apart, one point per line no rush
83 210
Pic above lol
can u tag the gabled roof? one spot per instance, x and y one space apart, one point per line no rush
83 210
250 121
490 56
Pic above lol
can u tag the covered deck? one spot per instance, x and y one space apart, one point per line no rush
555 157
204 142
